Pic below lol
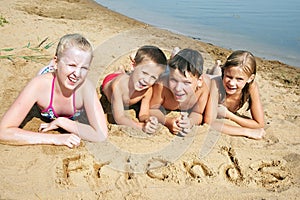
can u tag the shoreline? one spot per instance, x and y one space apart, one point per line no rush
232 168
214 36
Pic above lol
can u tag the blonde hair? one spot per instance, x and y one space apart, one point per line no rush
246 61
73 40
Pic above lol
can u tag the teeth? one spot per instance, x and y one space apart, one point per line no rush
142 84
179 95
73 80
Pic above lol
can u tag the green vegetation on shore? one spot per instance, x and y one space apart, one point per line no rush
26 51
3 21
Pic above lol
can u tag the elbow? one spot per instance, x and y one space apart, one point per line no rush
261 125
100 135
3 133
256 125
6 134
207 120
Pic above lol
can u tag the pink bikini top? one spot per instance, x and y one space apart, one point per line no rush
49 112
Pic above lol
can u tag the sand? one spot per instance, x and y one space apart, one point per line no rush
130 164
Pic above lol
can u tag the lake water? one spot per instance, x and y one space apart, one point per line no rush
269 29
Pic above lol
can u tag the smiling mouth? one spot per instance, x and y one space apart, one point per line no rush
73 79
179 96
141 85
231 90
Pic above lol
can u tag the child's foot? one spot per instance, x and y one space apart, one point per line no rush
216 70
174 52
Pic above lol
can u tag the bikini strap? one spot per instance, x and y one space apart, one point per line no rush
74 104
52 92
51 100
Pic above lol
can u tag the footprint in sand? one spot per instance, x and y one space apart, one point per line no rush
272 175
271 140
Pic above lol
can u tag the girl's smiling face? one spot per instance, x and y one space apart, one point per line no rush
234 80
72 67
182 86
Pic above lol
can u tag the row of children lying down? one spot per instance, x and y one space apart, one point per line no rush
62 92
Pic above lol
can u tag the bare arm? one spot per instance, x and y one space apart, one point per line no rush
256 133
118 109
97 129
145 106
196 116
256 108
155 104
9 126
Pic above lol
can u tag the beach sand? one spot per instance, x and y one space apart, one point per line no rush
130 164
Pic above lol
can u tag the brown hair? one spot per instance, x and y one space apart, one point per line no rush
152 53
188 60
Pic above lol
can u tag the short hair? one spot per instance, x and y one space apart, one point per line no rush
188 60
73 40
152 53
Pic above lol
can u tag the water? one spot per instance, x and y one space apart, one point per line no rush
269 29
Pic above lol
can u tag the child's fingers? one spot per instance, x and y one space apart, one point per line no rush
184 115
43 127
153 120
176 129
151 130
150 127
184 123
73 140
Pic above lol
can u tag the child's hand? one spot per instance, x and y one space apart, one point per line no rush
222 110
184 123
48 126
151 125
69 140
171 123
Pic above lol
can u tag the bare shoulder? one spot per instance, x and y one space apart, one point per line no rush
120 83
86 87
207 80
253 87
41 82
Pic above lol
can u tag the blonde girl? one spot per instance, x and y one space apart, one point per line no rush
61 96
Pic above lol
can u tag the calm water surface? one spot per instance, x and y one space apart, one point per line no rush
269 29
